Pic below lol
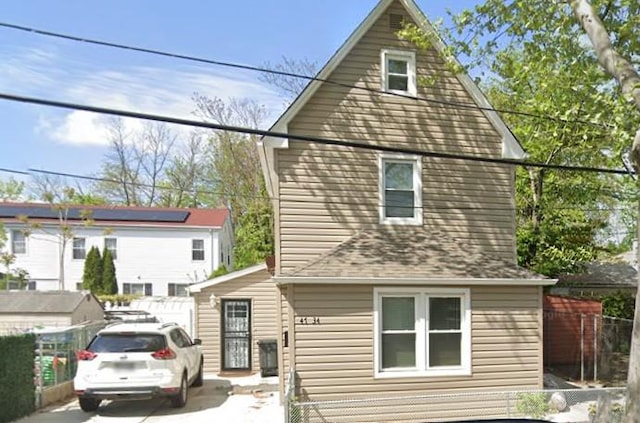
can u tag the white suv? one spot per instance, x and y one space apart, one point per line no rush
138 361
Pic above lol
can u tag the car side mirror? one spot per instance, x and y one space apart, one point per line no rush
197 341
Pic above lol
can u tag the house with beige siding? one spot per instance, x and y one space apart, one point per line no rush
396 263
235 313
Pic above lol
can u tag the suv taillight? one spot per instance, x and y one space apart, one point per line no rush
164 354
85 355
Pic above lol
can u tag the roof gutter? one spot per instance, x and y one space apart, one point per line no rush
306 280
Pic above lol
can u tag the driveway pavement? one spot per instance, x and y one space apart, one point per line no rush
209 403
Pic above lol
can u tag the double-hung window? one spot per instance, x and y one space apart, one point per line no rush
398 71
197 249
400 189
422 332
79 251
178 290
18 242
111 244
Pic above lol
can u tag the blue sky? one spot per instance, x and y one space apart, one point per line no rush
244 31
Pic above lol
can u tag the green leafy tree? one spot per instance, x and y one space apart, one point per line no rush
109 281
561 216
618 304
11 190
93 272
254 236
236 176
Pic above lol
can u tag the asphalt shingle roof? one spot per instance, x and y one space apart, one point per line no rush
602 274
40 301
409 252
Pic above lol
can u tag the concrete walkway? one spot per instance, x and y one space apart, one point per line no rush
255 401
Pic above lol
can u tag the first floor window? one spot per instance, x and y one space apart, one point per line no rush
422 332
197 249
137 289
18 242
178 290
79 251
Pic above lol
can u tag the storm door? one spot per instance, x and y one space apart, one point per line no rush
236 335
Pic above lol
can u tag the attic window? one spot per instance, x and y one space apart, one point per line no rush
398 71
395 21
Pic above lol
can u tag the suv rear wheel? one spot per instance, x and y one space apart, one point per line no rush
180 400
89 404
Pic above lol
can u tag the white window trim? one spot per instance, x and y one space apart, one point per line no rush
73 248
204 251
26 244
421 370
115 258
410 58
417 189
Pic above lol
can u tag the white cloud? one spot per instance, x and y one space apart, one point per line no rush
144 89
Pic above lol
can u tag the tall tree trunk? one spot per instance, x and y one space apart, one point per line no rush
627 77
63 246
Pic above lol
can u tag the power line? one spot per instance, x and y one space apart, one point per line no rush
291 74
317 140
300 201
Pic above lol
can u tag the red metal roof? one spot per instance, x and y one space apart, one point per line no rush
196 217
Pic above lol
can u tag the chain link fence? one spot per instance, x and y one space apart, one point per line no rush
55 359
587 347
568 405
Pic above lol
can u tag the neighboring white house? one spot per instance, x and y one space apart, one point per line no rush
157 251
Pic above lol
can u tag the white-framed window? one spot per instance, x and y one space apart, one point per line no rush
197 249
400 179
18 242
422 332
137 289
111 244
398 71
178 290
79 250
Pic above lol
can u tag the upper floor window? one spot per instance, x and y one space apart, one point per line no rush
111 244
197 249
399 71
79 251
422 332
400 189
18 242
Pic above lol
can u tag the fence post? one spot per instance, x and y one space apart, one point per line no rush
581 347
509 404
595 347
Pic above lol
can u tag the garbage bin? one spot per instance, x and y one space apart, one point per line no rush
268 357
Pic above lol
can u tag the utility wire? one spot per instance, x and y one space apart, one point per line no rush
296 200
292 74
317 140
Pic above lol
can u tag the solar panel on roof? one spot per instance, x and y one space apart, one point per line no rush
76 213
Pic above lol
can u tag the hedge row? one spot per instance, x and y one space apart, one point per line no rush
17 389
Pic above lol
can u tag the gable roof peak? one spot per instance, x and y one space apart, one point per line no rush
511 147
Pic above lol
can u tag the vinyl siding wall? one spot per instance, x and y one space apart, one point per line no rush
335 359
262 292
327 193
